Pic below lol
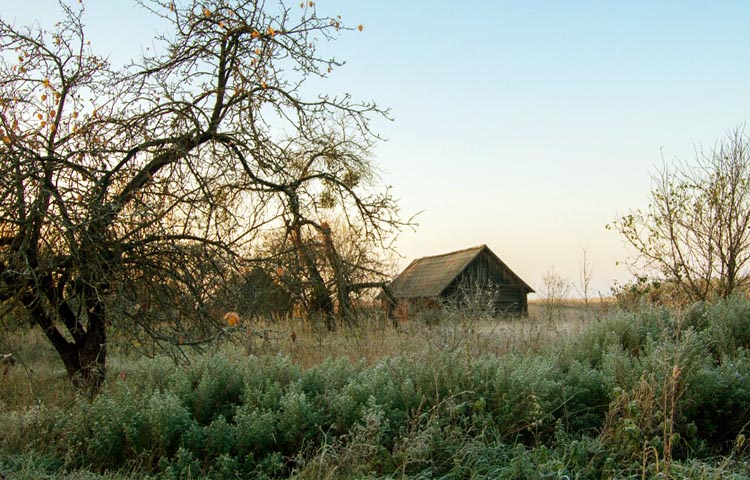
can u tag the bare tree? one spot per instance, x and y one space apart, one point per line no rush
585 275
346 263
322 187
696 231
127 195
555 290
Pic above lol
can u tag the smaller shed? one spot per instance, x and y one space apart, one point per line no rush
429 282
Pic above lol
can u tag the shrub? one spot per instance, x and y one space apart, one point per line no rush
585 395
117 429
211 389
727 326
719 406
624 330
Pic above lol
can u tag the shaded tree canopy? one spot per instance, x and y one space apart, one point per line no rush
128 195
696 230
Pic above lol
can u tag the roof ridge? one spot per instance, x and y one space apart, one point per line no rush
478 247
430 276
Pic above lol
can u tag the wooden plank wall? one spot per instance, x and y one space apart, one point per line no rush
485 273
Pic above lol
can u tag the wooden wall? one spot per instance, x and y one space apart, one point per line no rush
486 277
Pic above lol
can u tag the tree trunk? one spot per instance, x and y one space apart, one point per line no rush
86 364
342 285
85 357
320 301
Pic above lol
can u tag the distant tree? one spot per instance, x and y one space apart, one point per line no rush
127 196
585 274
323 185
345 262
696 230
555 290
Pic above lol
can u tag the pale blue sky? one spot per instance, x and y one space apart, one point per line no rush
529 125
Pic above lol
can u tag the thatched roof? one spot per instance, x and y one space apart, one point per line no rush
428 277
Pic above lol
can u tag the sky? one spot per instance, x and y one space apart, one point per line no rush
527 126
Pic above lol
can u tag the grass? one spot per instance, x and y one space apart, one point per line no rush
375 338
38 377
583 393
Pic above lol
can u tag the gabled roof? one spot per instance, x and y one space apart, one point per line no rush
430 276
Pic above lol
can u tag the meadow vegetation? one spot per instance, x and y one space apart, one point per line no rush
602 392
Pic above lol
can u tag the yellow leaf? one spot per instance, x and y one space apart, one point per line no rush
271 31
206 12
255 34
6 139
46 82
44 97
360 27
310 3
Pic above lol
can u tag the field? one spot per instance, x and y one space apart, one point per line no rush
573 392
40 378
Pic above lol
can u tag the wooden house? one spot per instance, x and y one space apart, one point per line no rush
457 277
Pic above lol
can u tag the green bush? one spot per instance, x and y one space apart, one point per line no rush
719 406
211 389
586 394
626 331
727 326
119 428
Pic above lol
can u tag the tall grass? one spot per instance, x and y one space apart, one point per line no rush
39 378
628 395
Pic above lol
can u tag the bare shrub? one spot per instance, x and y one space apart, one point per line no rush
555 290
